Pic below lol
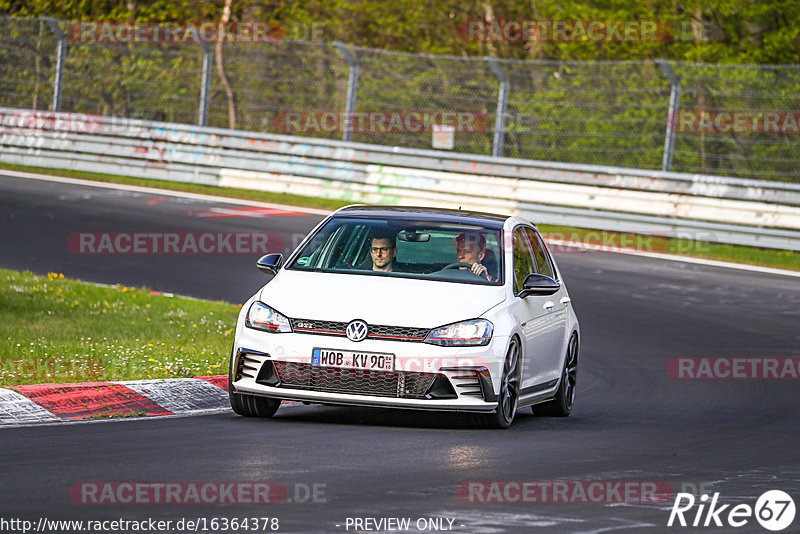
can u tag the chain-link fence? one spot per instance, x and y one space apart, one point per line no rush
738 120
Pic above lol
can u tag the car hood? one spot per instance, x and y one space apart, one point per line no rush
377 299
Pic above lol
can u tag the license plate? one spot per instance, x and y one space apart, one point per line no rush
352 359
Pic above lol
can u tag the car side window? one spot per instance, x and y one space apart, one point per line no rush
543 265
355 250
523 262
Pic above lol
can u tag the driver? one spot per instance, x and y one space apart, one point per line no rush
471 249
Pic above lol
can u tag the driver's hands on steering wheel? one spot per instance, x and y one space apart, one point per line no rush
478 269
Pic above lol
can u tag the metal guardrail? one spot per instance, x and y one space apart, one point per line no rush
707 208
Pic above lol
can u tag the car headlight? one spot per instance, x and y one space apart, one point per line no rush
474 332
262 317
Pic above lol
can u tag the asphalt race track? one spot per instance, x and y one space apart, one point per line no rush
632 421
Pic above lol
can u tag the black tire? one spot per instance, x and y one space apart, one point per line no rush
252 405
249 405
509 392
561 405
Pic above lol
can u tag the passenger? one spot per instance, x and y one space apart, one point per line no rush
471 249
383 250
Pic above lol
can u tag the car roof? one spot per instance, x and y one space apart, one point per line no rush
489 220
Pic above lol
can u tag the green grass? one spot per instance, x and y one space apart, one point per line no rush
116 415
766 257
54 329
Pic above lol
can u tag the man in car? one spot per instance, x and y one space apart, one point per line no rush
383 250
471 249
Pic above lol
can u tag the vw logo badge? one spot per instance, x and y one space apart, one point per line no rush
357 330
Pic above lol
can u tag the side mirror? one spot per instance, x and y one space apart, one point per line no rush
270 263
538 284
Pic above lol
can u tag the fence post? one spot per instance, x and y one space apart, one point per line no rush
205 85
352 87
502 105
672 117
61 56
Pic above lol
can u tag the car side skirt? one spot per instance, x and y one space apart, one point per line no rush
538 394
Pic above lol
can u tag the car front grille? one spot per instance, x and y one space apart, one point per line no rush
395 384
336 328
308 326
397 332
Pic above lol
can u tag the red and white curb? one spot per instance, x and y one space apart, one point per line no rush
45 403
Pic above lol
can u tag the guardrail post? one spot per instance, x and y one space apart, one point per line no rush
672 117
61 56
352 87
502 106
205 85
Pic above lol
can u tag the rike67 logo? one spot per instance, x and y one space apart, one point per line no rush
774 510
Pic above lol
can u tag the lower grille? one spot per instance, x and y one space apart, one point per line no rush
395 384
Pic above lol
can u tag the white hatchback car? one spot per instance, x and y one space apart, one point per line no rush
409 307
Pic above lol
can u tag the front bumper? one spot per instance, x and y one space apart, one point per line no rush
459 378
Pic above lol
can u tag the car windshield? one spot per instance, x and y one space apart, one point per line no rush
404 248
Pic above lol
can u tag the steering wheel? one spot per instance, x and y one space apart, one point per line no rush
457 265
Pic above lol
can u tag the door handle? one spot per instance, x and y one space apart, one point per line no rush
548 305
565 300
